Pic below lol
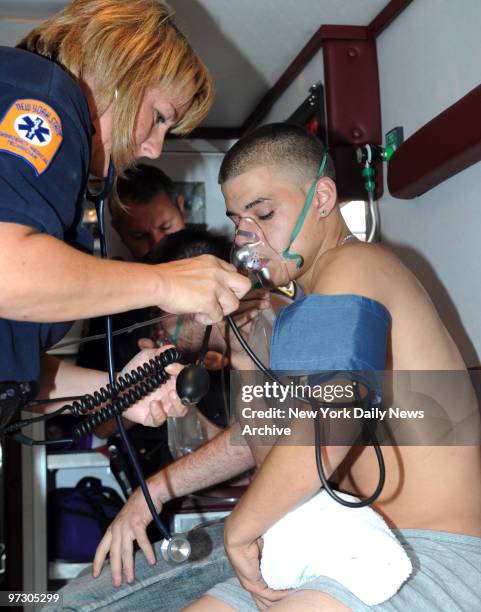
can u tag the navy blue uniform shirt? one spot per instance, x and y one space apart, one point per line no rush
45 139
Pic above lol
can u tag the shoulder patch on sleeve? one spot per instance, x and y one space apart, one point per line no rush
31 130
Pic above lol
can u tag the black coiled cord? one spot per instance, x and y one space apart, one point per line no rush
133 386
154 367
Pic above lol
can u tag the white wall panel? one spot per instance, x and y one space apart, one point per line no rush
428 59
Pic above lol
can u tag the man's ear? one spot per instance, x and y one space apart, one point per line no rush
325 196
180 200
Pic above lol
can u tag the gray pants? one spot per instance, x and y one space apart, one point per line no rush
446 576
161 587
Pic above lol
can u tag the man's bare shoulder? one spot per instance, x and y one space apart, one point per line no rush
371 270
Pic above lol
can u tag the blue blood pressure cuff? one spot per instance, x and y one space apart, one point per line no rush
325 336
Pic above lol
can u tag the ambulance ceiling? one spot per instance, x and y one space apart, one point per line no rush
247 44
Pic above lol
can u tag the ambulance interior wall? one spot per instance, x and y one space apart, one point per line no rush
429 57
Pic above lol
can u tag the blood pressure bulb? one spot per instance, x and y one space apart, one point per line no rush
253 256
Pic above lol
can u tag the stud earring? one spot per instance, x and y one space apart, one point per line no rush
323 212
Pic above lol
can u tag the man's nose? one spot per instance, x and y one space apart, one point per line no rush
155 236
247 232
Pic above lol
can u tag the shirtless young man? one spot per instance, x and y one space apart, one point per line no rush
267 176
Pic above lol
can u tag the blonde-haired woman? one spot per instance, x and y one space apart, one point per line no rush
101 80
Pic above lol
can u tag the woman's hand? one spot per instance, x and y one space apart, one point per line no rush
152 410
245 559
204 285
129 525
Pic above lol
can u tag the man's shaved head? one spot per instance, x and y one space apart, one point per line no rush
289 149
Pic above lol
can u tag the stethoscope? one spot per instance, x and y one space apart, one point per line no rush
191 387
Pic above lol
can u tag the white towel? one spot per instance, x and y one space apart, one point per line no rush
351 545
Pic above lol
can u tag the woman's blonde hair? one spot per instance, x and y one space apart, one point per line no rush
126 46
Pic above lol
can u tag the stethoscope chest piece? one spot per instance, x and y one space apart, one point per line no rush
175 550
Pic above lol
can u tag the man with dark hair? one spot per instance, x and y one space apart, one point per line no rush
190 242
142 183
146 209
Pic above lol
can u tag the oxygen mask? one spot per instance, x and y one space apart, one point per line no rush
253 256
